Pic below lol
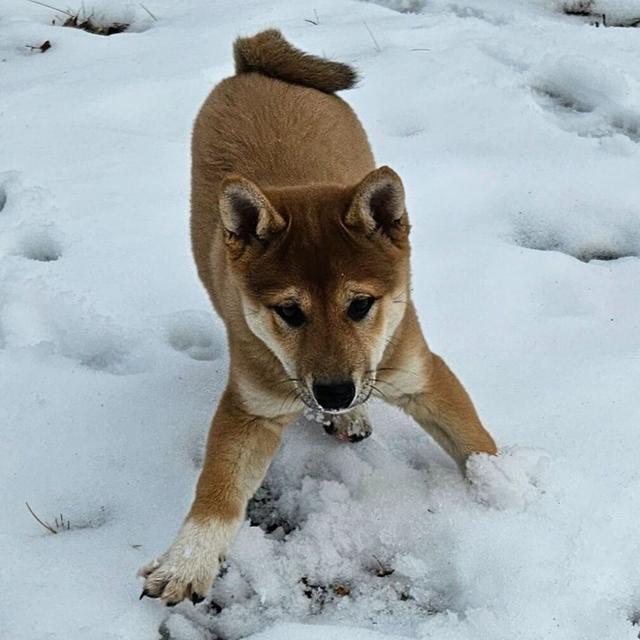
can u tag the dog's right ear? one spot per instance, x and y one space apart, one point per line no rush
247 216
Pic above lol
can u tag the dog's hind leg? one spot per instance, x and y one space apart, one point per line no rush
353 426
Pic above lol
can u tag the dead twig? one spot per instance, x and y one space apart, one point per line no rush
376 44
315 21
48 527
149 12
383 571
45 46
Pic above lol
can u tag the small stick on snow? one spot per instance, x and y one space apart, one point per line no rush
375 42
383 571
149 12
315 22
45 46
48 527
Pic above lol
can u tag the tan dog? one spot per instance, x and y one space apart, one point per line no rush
303 247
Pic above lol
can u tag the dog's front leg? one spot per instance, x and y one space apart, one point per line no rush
239 450
445 411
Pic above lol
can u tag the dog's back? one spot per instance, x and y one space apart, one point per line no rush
277 123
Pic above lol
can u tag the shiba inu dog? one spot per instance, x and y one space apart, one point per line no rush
303 247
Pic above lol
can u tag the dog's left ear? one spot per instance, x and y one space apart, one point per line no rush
378 206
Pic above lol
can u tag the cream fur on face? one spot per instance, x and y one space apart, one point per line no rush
393 316
259 325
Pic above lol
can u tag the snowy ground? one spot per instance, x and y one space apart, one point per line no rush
517 130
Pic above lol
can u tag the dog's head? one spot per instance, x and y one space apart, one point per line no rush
323 274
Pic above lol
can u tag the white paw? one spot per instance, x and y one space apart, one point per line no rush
511 480
187 570
350 427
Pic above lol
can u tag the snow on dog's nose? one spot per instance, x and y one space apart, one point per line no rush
335 395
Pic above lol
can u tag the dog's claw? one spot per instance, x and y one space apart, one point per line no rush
215 607
349 427
329 428
196 598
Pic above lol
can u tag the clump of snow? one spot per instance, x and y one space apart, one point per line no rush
514 128
509 481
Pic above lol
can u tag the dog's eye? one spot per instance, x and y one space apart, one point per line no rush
291 313
359 307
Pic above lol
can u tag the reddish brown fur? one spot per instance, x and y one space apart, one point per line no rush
269 53
287 206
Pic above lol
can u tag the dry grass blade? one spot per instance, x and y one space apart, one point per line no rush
153 17
315 21
48 6
48 527
383 570
376 44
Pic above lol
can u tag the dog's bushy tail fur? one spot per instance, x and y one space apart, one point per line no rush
270 54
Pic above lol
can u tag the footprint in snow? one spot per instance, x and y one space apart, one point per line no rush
194 333
41 245
587 99
405 124
598 233
26 213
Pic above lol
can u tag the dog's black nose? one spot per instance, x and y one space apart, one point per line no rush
334 396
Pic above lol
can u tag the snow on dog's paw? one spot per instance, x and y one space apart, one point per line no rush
187 570
349 427
511 480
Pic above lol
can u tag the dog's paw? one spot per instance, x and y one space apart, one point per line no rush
350 427
511 480
187 570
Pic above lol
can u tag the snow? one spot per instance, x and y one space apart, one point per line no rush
516 129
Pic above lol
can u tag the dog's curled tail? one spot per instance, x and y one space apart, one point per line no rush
270 54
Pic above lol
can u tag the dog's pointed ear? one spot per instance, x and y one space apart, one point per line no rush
378 205
247 216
